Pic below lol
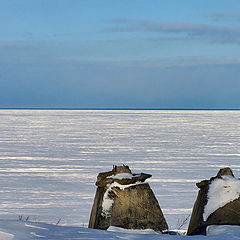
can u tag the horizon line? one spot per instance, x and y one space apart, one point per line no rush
102 108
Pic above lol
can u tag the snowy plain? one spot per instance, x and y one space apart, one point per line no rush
50 160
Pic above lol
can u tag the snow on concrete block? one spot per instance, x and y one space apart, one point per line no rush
218 203
221 191
123 199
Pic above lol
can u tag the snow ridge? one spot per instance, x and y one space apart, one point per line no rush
6 236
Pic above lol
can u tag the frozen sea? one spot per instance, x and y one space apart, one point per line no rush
50 158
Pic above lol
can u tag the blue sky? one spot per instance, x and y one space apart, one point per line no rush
120 53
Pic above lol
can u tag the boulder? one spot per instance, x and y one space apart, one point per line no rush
217 203
124 200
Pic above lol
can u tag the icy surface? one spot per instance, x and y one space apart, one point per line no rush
50 159
221 192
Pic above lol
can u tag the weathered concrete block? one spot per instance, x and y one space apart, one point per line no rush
228 214
123 199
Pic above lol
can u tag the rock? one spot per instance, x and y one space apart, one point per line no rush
228 214
123 199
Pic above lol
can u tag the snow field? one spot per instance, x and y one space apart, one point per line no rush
50 159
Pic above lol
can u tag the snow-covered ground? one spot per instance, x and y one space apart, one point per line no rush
50 160
18 230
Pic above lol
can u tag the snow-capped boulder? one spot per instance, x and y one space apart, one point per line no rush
124 200
218 203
